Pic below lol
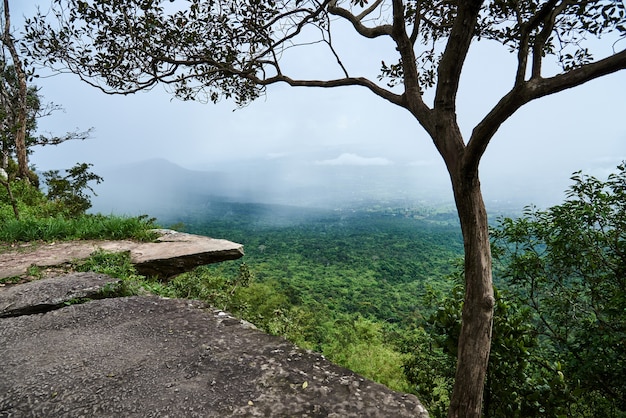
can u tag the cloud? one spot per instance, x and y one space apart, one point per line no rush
354 159
422 163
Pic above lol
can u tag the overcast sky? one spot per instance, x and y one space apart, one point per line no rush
540 146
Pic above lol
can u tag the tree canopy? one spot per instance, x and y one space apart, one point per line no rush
210 49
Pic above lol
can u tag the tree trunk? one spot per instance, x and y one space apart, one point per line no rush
477 317
20 134
22 111
7 185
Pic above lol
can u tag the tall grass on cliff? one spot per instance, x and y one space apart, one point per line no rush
41 218
82 227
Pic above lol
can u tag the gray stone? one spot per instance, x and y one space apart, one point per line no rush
172 253
52 293
153 357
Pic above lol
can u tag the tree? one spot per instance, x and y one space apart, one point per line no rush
568 265
9 111
20 107
70 192
206 50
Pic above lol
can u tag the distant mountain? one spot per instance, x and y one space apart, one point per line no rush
151 186
159 186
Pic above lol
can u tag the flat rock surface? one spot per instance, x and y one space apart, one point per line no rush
173 253
146 356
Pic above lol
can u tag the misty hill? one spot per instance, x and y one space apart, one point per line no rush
150 185
159 187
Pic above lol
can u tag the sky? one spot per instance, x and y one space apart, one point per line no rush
532 156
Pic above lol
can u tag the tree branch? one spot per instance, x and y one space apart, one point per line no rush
369 10
522 53
449 71
531 90
547 15
340 82
412 89
56 140
356 22
546 86
336 55
486 129
308 17
416 27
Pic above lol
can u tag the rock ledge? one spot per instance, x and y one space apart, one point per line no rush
172 253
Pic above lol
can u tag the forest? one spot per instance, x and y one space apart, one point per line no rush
373 262
380 291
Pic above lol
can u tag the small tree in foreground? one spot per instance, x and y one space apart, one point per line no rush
207 49
21 106
70 192
568 265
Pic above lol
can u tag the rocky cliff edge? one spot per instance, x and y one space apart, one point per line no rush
69 346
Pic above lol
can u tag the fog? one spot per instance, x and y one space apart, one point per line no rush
161 188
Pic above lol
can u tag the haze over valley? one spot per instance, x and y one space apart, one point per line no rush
159 187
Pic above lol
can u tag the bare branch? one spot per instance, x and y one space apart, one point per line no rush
336 55
51 139
307 19
356 22
369 10
449 71
534 89
340 82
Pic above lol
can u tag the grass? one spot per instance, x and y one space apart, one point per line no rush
10 280
86 226
117 265
45 219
